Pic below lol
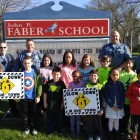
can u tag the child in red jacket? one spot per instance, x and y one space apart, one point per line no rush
133 94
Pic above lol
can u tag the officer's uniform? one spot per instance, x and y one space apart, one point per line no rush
36 57
116 52
7 63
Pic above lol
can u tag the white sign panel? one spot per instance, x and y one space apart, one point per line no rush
56 48
11 85
81 101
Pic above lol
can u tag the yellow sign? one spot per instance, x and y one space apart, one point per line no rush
6 85
81 101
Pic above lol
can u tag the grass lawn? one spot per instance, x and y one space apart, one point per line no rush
12 129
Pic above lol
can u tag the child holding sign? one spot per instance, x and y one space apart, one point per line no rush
75 119
94 126
33 89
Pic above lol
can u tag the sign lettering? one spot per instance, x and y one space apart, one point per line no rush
56 28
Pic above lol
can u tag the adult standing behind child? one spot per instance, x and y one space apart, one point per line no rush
33 91
67 67
133 94
86 65
116 50
75 120
114 95
94 126
53 101
127 76
35 55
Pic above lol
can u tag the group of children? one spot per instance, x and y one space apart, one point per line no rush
119 93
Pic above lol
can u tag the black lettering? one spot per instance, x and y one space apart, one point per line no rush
41 51
59 51
71 93
87 51
47 51
14 77
98 50
76 51
87 92
77 110
1 95
10 95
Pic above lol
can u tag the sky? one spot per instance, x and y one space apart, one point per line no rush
79 3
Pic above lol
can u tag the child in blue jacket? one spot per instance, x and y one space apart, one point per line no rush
114 94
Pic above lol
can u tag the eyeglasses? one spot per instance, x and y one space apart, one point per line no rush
3 47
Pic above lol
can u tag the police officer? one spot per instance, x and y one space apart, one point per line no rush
36 56
116 50
6 64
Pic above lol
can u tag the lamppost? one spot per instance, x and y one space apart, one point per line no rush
131 41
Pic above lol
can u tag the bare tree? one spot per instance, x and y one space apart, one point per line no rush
14 6
124 15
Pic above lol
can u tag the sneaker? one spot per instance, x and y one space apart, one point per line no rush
128 136
27 131
34 132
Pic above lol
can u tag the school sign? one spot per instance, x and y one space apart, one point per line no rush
56 28
72 28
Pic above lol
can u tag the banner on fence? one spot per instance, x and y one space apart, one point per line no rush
11 85
81 101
